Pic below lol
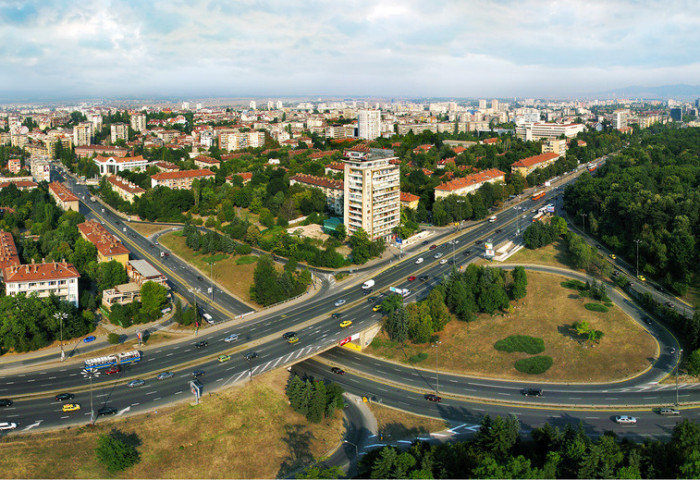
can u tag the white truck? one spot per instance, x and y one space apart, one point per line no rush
368 284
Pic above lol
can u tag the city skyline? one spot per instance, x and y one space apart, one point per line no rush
59 49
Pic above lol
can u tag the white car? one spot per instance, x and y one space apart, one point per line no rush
7 426
419 261
438 255
443 261
231 338
340 302
625 420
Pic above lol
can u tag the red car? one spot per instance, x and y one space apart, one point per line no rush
411 278
113 369
433 247
433 398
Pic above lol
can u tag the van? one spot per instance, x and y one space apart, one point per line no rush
492 219
208 318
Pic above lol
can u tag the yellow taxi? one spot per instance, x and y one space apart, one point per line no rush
346 323
376 308
642 278
613 256
293 340
71 407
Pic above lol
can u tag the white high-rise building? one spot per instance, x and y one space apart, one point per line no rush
494 105
185 106
279 105
138 122
253 105
619 119
119 131
482 104
82 134
369 124
371 192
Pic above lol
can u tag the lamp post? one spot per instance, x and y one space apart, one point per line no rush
436 346
354 445
678 365
60 316
637 241
194 292
91 373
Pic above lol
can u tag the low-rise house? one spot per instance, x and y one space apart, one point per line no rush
180 180
42 280
332 189
530 164
124 188
465 185
408 200
64 197
108 246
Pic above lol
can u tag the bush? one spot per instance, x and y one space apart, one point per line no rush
418 358
596 307
534 365
574 285
246 260
117 451
692 364
520 343
113 338
243 249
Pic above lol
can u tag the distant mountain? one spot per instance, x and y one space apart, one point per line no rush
680 91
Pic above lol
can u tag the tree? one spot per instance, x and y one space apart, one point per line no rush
397 325
498 436
319 471
110 274
117 451
154 297
692 363
360 243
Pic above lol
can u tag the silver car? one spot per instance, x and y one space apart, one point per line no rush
231 338
340 302
164 375
625 420
136 383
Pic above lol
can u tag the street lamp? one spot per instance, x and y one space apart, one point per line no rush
211 277
91 373
354 445
678 365
436 346
194 292
637 241
60 316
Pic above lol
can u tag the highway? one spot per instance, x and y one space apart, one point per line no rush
33 390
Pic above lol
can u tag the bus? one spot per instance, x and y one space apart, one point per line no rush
537 195
537 217
124 358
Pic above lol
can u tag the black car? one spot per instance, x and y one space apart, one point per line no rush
251 355
5 402
498 230
371 299
133 235
367 291
336 315
199 277
197 373
106 411
289 335
201 344
647 320
338 371
532 392
152 246
478 242
467 252
64 396
431 397
424 278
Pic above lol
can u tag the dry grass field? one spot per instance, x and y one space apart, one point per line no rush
148 229
397 425
248 432
546 312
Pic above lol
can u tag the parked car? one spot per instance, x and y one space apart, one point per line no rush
136 383
338 371
64 396
625 420
89 339
431 397
532 392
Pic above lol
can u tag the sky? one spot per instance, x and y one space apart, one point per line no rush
351 48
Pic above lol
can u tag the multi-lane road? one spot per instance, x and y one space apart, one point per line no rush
33 391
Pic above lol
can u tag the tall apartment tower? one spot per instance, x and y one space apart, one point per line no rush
119 131
138 122
369 124
494 105
371 192
482 104
82 134
619 119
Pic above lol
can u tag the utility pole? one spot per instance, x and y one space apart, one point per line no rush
678 365
584 215
91 373
436 346
60 316
637 241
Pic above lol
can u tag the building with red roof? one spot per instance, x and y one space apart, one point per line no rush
108 246
465 185
43 280
530 164
408 200
63 196
181 180
332 189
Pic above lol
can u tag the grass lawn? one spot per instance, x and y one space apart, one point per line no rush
396 425
234 275
554 254
148 229
546 312
248 432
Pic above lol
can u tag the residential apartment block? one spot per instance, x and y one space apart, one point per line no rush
538 131
64 197
8 252
118 131
108 246
530 164
369 124
372 189
82 134
138 122
124 188
465 185
555 145
42 280
89 150
14 165
111 165
180 180
332 189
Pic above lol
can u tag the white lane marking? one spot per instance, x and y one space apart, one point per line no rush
135 404
150 393
102 395
42 373
31 380
123 411
188 349
239 377
73 375
156 399
169 354
10 383
64 417
289 357
149 359
52 378
178 393
230 368
453 381
500 393
63 370
35 424
593 418
219 379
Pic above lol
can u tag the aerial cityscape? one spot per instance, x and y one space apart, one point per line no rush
370 240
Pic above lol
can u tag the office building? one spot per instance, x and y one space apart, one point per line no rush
538 131
677 114
372 192
369 124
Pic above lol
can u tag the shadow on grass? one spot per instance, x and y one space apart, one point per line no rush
567 331
398 431
298 440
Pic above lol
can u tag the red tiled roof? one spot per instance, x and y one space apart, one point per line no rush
62 192
208 160
8 251
317 181
408 197
490 141
530 161
40 272
336 166
246 176
124 185
205 172
473 179
106 243
321 154
19 184
166 165
459 150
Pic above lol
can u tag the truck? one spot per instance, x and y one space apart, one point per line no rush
368 284
404 292
208 318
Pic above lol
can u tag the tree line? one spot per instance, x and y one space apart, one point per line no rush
270 286
314 399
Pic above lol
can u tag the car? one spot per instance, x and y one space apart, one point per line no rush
669 411
136 383
376 308
478 242
152 246
433 247
251 355
223 358
64 396
292 340
647 320
532 392
443 261
642 278
118 222
425 242
672 351
89 339
198 373
166 254
289 335
499 230
336 315
669 304
106 411
199 277
164 375
598 247
338 371
70 407
201 344
381 295
431 397
613 256
133 235
467 252
339 303
625 420
7 425
157 242
367 291
113 369
6 402
345 323
419 261
412 278
438 255
231 338
424 278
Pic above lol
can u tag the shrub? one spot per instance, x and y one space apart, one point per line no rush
246 260
596 307
117 451
113 338
534 365
520 343
243 249
574 285
418 358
